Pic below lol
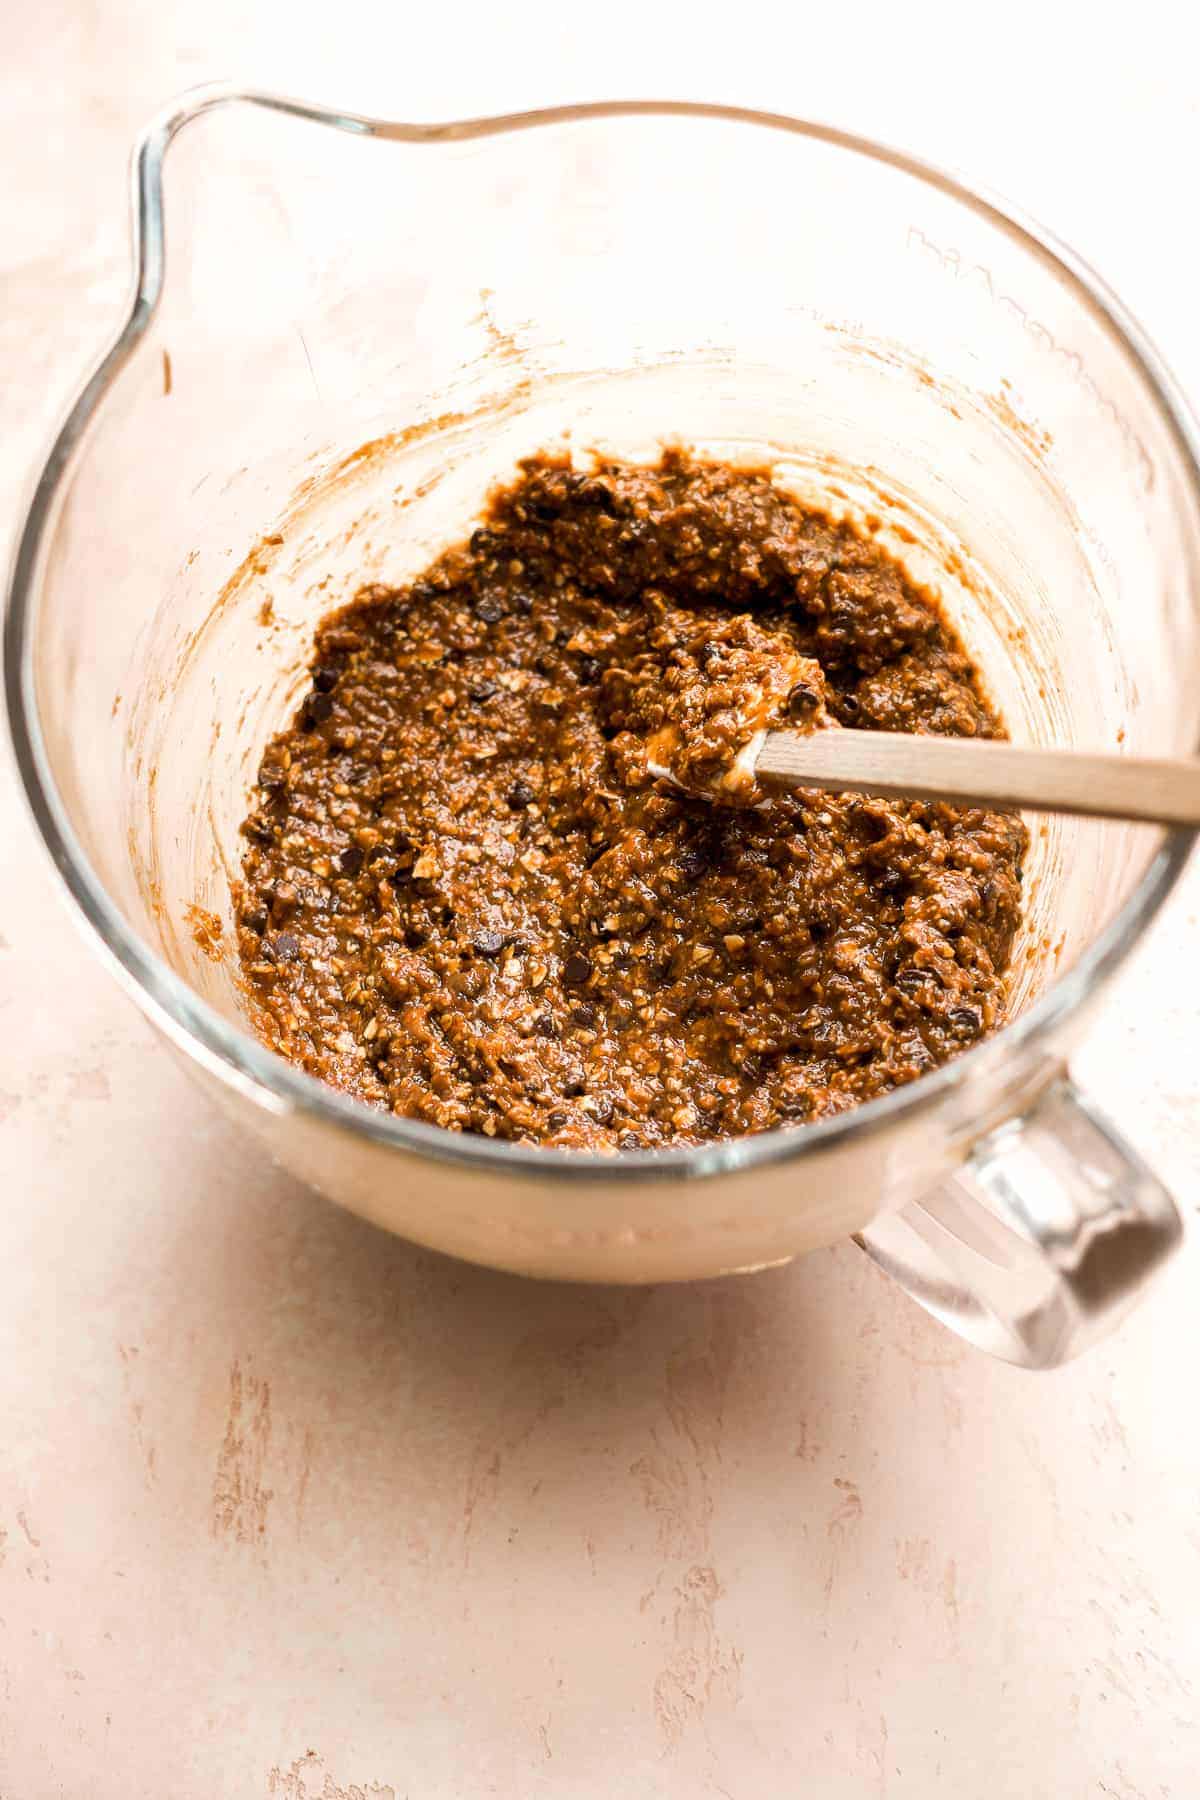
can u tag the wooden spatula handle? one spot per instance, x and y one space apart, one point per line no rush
979 771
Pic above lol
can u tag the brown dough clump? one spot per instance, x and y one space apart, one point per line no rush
466 900
691 707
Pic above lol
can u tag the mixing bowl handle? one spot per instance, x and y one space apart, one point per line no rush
1041 1242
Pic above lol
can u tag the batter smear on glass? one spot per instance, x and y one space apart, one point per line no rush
467 898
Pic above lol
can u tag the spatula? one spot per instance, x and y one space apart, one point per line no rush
983 772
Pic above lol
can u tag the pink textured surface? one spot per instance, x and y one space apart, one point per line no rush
288 1508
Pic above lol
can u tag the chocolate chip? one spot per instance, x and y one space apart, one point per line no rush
316 709
594 493
325 679
584 1015
286 947
545 1026
351 860
483 690
272 775
519 794
589 670
909 979
577 969
489 608
803 701
489 943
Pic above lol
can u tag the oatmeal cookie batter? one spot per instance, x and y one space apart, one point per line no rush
467 899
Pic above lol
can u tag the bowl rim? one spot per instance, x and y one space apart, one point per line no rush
238 1058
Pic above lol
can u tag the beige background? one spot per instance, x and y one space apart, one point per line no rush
287 1508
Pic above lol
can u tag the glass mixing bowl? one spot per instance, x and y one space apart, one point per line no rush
358 326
